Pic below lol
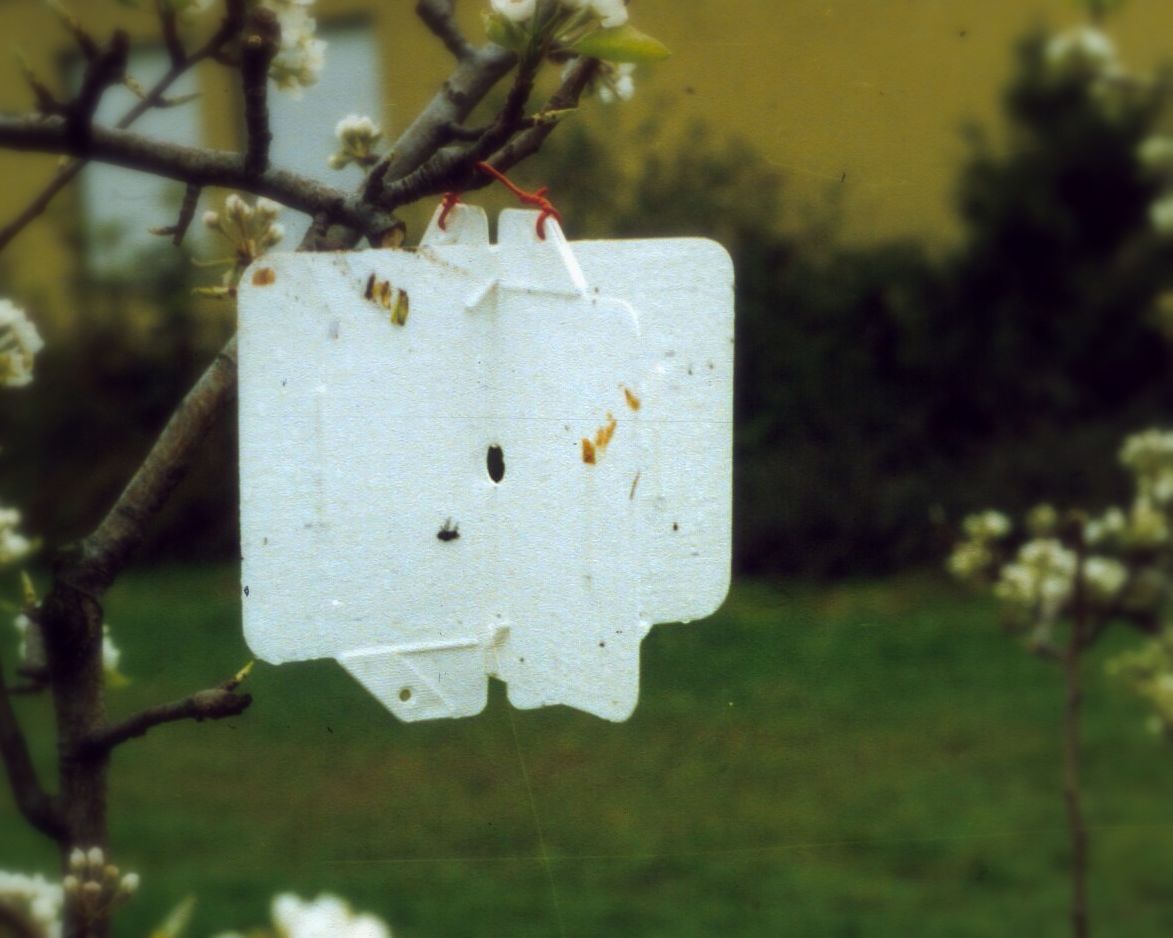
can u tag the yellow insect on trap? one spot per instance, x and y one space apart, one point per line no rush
476 460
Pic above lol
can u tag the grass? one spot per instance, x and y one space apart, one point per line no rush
871 759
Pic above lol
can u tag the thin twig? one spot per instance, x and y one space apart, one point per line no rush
105 69
526 144
217 703
259 45
440 17
32 800
169 27
177 232
1072 794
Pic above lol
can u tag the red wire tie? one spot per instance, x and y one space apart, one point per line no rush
451 200
537 199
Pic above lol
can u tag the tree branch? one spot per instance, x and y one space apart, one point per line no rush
36 806
105 69
197 166
464 89
169 27
218 703
105 552
528 143
439 17
452 168
177 232
259 44
230 26
506 142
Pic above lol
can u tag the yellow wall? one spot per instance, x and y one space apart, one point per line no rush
876 89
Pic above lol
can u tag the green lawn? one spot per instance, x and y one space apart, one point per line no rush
870 759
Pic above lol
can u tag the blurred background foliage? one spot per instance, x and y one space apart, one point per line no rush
881 389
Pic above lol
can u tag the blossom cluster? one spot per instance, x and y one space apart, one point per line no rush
302 55
358 141
1084 50
19 344
325 917
610 13
1127 556
250 230
35 899
567 30
14 546
95 884
1148 670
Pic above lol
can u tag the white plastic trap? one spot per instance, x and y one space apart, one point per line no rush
474 460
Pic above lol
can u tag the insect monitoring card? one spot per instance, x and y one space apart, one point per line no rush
477 459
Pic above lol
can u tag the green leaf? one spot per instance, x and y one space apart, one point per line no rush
621 44
177 920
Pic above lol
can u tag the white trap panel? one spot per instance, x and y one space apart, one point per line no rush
476 459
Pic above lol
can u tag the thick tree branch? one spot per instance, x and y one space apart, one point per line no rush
36 806
105 552
528 143
453 168
217 703
259 45
440 17
200 167
506 142
464 89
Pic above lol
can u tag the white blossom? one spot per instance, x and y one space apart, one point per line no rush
1104 577
1084 49
1150 457
617 83
250 229
14 546
1110 526
1161 214
37 897
358 136
516 11
19 344
610 12
1147 525
986 525
302 55
111 654
324 917
1043 574
1157 153
970 560
1042 520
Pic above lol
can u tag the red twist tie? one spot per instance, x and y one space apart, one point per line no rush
537 199
451 200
